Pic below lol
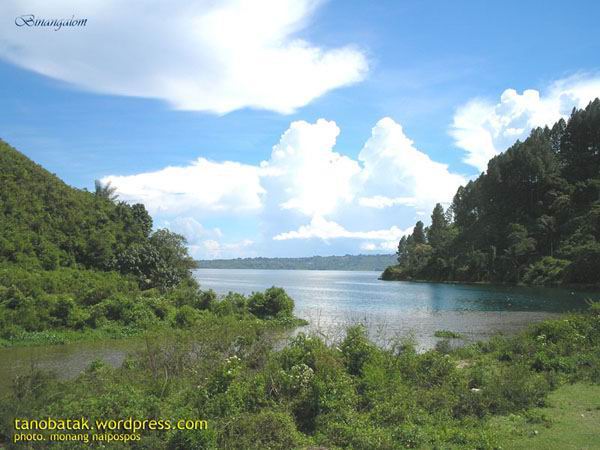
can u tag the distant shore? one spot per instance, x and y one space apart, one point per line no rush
347 262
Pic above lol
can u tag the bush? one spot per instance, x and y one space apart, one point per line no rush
515 388
274 302
264 430
546 271
185 317
356 349
231 304
447 334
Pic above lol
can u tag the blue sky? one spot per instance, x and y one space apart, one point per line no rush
416 97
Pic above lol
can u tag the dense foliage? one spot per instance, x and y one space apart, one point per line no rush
310 394
76 261
346 262
533 216
47 306
47 225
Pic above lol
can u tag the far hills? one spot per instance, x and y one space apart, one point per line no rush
346 262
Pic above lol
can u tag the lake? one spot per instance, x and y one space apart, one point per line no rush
330 300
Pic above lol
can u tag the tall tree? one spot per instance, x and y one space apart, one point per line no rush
106 190
437 233
402 252
519 248
419 233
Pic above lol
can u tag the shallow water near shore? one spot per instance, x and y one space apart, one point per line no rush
332 300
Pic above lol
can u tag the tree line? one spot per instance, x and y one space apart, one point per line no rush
532 217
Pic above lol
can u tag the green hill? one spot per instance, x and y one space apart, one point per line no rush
77 261
47 224
346 262
533 216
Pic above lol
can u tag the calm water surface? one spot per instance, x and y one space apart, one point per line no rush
330 300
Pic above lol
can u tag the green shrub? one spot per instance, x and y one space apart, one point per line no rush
274 302
185 317
546 271
447 334
356 349
264 430
515 388
231 304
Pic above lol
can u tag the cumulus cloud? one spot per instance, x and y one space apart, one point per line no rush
324 229
393 165
305 174
304 180
191 229
199 55
208 243
485 128
214 249
202 185
386 246
381 201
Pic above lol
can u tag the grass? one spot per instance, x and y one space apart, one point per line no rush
571 420
60 337
111 331
447 334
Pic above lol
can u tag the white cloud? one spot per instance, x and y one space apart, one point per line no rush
207 243
381 201
483 128
324 229
305 174
204 185
303 178
385 246
195 55
191 229
392 165
213 249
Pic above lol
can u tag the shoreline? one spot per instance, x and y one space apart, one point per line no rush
593 288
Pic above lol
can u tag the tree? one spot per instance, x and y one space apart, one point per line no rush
520 247
402 251
161 262
418 233
437 234
106 190
538 199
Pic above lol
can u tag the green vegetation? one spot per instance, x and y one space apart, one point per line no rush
347 262
532 217
54 307
447 334
47 225
569 421
76 264
350 395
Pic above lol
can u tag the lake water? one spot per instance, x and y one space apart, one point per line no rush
330 300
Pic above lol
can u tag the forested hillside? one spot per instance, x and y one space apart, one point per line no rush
75 263
533 216
46 225
346 262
